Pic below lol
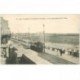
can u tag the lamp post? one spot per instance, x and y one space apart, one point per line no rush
44 37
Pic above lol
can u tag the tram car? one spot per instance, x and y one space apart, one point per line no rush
37 46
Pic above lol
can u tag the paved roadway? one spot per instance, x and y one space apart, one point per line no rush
29 55
52 58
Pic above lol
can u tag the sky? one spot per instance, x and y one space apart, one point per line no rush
57 23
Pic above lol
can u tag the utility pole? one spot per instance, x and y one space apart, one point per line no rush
44 37
29 33
29 37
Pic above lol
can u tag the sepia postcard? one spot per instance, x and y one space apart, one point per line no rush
39 39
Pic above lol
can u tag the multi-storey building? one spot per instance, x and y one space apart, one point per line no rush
4 37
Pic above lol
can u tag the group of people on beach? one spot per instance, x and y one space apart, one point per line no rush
72 52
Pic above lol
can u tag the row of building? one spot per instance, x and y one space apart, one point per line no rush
5 35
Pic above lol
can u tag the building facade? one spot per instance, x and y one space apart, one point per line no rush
4 38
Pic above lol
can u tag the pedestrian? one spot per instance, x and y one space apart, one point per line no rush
12 56
61 52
